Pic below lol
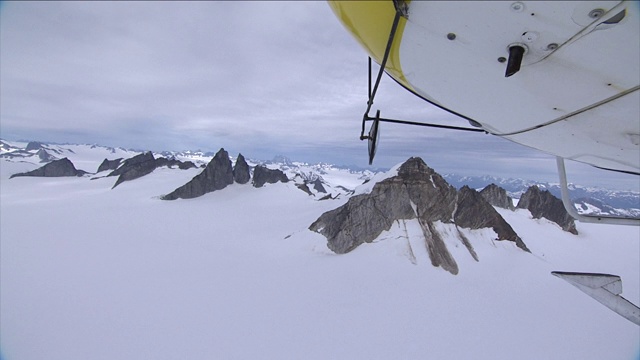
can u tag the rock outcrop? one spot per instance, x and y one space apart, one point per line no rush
542 204
304 188
56 168
182 165
135 167
263 175
44 156
216 176
497 196
417 192
109 164
241 173
317 186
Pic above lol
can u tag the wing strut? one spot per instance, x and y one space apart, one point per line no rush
568 204
374 134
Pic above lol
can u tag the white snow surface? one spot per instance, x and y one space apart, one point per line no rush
87 272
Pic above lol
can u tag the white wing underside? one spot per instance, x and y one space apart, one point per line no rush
577 94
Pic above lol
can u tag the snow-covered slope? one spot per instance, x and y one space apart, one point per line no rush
87 272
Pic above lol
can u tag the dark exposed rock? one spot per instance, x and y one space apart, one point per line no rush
475 212
304 188
45 156
109 164
317 185
416 192
173 162
241 170
135 167
140 165
57 168
184 165
365 216
217 175
146 157
497 196
543 204
33 145
263 175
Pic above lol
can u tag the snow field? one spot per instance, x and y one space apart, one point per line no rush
93 273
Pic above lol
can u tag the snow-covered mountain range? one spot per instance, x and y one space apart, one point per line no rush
587 199
342 180
89 270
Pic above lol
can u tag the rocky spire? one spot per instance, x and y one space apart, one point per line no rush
241 170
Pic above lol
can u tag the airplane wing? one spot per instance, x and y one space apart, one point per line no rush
559 76
604 288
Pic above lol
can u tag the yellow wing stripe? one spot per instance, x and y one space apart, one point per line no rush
370 24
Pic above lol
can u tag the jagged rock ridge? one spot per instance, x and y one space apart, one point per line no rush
135 167
417 192
544 204
471 204
140 165
263 175
219 173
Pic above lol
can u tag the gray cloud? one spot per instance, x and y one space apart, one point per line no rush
261 78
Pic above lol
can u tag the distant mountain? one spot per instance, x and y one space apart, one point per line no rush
600 201
335 180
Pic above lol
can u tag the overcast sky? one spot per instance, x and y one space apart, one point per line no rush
261 78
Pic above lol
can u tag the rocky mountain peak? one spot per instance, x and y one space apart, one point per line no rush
33 145
44 156
542 204
416 192
497 196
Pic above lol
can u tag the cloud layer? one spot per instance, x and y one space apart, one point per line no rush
263 78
